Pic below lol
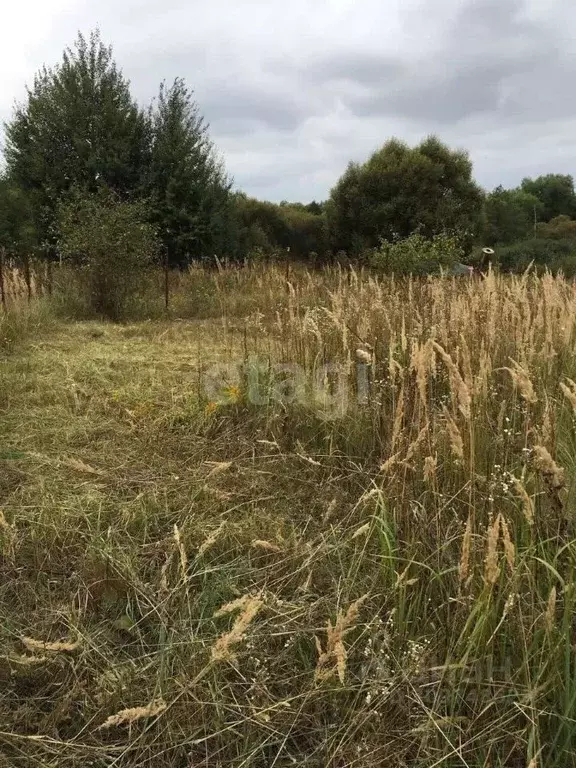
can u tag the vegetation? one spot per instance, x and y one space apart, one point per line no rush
17 231
510 216
417 255
399 191
111 244
271 230
522 224
298 514
555 195
187 185
213 559
80 130
79 127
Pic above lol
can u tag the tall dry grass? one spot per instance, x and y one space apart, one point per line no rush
377 571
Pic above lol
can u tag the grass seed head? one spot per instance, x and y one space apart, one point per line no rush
550 616
210 540
527 503
569 390
546 465
456 441
491 566
249 607
464 567
333 659
56 647
522 382
132 715
430 463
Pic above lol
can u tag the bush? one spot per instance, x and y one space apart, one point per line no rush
554 254
560 228
111 244
417 255
287 228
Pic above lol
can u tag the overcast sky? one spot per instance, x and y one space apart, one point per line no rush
294 89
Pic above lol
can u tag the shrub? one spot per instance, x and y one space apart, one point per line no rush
417 255
112 244
554 254
560 228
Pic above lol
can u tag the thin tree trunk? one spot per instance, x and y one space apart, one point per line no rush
2 288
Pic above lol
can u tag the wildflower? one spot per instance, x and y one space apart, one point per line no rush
233 394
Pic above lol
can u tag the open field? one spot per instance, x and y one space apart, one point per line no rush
361 557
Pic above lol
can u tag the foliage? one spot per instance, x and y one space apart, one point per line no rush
378 571
79 126
555 193
111 243
187 184
416 254
401 190
559 228
17 230
261 225
307 231
533 223
289 227
509 215
556 254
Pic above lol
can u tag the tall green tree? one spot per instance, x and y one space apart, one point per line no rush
288 227
17 230
556 194
78 127
510 215
401 190
307 230
261 225
188 186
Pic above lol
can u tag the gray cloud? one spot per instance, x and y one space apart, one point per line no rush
237 108
484 63
367 69
294 91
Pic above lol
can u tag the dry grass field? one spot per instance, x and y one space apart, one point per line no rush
312 519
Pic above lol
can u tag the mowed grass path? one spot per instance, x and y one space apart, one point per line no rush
130 514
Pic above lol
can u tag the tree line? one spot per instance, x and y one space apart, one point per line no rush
80 146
